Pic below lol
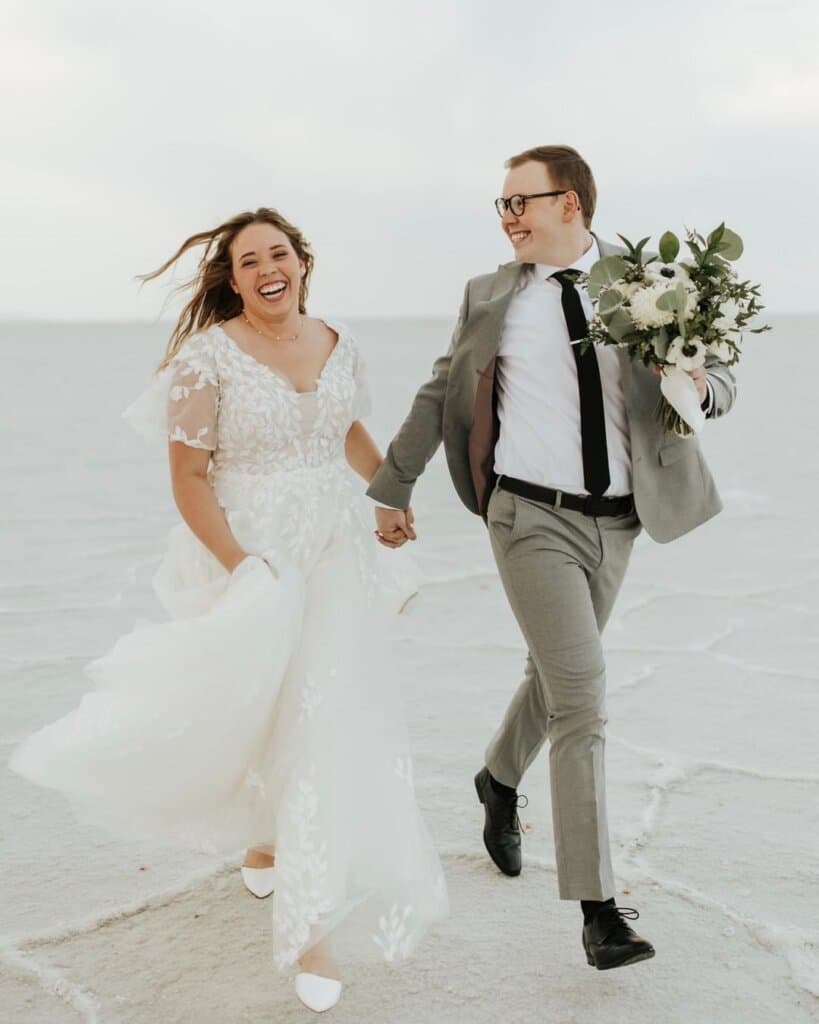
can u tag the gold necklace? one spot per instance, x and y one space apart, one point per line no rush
284 337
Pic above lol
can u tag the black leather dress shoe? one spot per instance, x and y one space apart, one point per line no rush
610 942
501 831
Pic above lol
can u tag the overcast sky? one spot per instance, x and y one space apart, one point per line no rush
381 129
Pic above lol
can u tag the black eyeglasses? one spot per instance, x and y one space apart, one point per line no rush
517 204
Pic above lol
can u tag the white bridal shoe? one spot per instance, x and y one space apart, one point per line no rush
317 993
260 881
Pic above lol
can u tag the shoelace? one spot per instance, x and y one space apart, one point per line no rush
518 806
617 917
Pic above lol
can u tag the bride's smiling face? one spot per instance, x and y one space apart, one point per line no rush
267 272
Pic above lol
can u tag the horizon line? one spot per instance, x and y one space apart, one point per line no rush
123 321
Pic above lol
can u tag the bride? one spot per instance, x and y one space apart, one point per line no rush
264 715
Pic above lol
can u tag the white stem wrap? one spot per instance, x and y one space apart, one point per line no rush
680 392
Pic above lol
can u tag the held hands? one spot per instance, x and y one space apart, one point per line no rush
393 527
698 376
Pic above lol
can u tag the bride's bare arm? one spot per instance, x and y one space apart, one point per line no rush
197 503
362 452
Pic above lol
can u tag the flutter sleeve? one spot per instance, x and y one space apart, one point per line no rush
362 402
193 398
182 401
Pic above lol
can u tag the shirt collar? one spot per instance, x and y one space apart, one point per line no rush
542 271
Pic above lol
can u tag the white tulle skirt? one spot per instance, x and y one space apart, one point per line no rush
266 712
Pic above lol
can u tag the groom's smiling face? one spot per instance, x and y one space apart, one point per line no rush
543 222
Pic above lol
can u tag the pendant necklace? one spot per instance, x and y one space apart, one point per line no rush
284 337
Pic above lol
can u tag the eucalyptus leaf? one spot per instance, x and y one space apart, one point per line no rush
730 247
604 273
668 301
669 247
609 300
620 324
661 343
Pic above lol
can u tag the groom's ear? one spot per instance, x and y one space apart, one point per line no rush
571 205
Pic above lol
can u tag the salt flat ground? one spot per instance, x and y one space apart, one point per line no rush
713 709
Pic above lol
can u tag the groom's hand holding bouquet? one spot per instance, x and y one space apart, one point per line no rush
675 315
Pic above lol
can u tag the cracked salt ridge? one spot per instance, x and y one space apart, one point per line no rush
555 1000
16 952
52 980
227 866
799 946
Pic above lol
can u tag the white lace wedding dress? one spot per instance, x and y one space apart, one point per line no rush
266 711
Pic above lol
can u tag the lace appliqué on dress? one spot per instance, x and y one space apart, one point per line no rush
302 869
193 395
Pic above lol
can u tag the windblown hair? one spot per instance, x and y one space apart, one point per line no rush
567 169
213 300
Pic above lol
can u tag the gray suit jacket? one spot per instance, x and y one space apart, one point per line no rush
673 488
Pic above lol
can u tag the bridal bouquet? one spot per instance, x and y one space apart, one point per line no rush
674 313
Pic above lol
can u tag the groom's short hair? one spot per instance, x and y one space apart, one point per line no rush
567 169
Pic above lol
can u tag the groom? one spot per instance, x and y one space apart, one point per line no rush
565 459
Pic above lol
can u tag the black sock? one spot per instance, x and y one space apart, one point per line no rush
590 907
502 790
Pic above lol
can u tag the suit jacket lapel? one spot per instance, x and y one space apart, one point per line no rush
608 248
487 316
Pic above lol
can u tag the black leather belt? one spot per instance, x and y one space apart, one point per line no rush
588 505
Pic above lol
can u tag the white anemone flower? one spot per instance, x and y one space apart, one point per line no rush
668 272
687 353
643 307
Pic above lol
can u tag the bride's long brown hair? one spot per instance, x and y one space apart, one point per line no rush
213 300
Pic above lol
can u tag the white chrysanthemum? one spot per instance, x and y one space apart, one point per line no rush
626 288
687 353
643 307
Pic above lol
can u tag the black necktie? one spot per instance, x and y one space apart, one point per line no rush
592 417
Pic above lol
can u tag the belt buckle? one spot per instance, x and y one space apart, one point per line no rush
592 505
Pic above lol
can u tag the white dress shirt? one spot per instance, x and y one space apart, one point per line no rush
538 398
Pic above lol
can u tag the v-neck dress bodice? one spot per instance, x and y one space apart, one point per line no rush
251 417
278 461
